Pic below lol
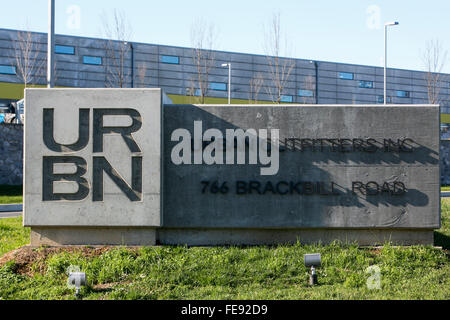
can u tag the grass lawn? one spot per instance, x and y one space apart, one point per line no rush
263 272
10 194
12 234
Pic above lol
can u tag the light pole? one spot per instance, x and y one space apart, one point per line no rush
229 80
387 24
51 44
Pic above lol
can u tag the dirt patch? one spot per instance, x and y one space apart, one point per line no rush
109 286
26 256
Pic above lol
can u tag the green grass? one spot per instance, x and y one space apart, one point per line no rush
12 234
10 194
442 236
236 273
180 99
445 118
263 272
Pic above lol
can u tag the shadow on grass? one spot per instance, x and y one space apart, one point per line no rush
441 240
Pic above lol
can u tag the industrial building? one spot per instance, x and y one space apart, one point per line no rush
84 62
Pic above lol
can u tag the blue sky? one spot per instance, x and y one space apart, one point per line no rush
349 31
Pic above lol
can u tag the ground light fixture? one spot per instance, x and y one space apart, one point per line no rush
313 260
77 279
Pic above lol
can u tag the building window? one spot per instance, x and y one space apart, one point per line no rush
380 99
286 99
345 75
305 93
366 84
92 60
64 49
402 94
170 59
7 69
218 86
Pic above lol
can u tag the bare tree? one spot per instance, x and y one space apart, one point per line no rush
118 32
28 65
142 73
203 40
280 69
310 86
434 60
191 91
256 84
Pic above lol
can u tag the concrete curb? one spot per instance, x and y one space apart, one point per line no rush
11 208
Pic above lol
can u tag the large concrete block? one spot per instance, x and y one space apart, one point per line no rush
92 157
354 173
339 186
70 236
364 237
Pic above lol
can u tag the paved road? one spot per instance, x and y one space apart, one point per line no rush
4 215
10 210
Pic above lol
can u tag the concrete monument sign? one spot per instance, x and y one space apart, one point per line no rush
112 166
92 159
368 173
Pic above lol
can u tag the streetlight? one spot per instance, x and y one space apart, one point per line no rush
51 44
229 80
387 24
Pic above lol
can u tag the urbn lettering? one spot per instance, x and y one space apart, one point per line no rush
100 164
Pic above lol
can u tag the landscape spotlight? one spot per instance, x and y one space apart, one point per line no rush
312 260
77 279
